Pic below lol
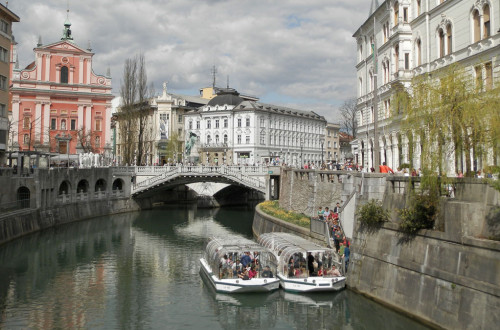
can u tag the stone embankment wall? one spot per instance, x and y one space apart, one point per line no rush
58 196
448 277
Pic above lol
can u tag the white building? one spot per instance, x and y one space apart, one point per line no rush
414 37
232 129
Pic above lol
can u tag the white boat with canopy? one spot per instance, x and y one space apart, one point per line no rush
237 264
304 266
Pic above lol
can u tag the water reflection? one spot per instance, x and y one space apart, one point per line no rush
141 270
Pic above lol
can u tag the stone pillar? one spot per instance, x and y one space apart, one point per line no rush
80 116
15 122
47 67
38 121
71 74
88 118
87 69
39 67
46 124
80 71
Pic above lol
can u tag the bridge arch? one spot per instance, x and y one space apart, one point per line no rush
118 184
64 187
100 185
23 197
83 186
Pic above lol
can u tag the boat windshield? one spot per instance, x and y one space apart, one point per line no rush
240 258
300 258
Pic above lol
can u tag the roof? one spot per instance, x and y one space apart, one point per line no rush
345 137
226 96
191 99
280 109
13 17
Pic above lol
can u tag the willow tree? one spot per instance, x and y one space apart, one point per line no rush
455 115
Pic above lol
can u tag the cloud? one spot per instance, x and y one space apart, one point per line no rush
290 52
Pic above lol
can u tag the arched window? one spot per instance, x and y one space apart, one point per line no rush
64 188
217 139
449 39
209 139
476 26
360 52
225 138
100 185
118 184
396 13
371 81
23 197
396 58
360 86
441 43
83 186
486 21
64 75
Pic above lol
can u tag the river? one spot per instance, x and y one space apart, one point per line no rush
141 270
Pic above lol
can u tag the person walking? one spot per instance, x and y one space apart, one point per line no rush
385 169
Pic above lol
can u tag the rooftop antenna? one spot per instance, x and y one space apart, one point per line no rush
214 75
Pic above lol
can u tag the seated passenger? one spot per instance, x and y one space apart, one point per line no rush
244 275
335 271
267 273
291 271
252 272
320 271
246 259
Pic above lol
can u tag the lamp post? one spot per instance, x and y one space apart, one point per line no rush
322 143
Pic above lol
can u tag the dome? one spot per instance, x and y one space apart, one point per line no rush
226 96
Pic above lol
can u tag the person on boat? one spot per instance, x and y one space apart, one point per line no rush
335 271
321 272
310 263
267 273
246 259
291 271
252 272
236 267
244 275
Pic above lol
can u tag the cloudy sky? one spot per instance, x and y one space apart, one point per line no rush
287 52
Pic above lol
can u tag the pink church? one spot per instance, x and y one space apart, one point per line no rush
58 104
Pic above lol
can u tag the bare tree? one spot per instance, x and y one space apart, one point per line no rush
348 113
85 137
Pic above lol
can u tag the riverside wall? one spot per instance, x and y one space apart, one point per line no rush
448 277
59 196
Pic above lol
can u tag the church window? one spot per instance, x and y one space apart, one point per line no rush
73 124
64 75
53 124
98 125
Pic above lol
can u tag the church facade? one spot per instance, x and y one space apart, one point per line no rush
59 104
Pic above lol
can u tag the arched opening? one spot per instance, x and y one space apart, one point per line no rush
64 188
100 185
476 26
449 38
23 197
441 42
396 13
396 58
118 184
82 187
64 75
419 52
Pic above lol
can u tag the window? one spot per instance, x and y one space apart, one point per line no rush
53 123
209 123
26 122
239 139
449 39
405 14
248 122
73 124
3 112
262 122
3 83
486 21
190 124
217 123
329 144
334 144
217 139
396 58
262 138
476 26
197 124
97 142
4 55
419 52
360 86
488 81
419 8
209 139
26 139
407 61
441 43
396 13
64 75
360 52
225 122
225 139
479 77
371 81
239 122
98 125
372 118
247 139
385 31
4 26
179 131
179 119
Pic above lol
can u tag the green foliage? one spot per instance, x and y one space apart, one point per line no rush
372 214
405 165
273 209
421 213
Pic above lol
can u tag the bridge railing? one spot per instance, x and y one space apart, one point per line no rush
162 173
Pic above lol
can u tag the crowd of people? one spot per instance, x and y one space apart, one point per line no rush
339 239
245 266
319 264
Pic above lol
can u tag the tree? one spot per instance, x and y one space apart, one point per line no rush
85 137
348 113
453 115
134 112
173 149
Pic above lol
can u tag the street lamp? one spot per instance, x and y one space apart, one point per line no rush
322 143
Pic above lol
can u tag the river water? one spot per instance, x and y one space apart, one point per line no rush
141 270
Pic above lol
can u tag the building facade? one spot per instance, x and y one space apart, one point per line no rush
6 39
402 39
332 145
235 129
58 104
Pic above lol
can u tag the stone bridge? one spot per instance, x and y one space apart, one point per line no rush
148 180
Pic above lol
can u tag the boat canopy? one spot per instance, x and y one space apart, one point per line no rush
298 257
225 257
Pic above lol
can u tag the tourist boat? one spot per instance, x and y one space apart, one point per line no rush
221 266
304 266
